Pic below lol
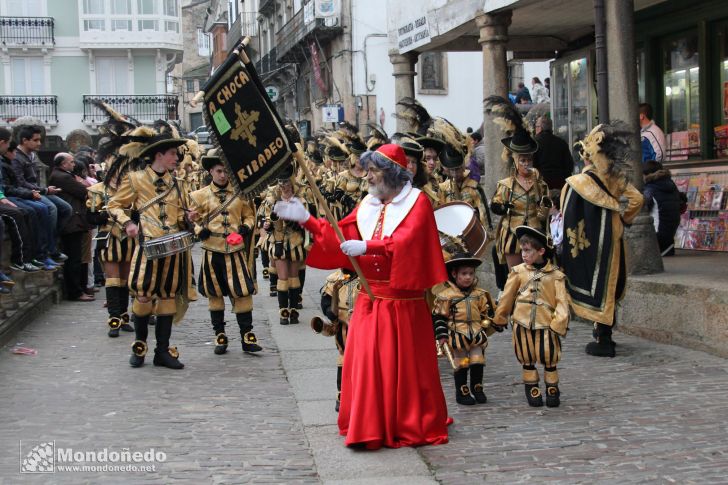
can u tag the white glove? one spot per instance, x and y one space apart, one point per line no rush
354 247
292 210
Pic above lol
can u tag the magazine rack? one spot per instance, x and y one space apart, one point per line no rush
704 226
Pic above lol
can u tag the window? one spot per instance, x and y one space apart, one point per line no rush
148 25
203 43
24 8
682 89
27 75
121 7
93 25
117 25
112 75
170 8
93 7
170 26
147 7
191 86
432 68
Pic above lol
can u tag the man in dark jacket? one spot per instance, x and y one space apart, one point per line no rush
662 194
553 158
73 232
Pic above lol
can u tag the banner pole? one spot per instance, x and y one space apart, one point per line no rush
322 202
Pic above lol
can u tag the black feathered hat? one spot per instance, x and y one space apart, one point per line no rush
451 158
520 142
161 143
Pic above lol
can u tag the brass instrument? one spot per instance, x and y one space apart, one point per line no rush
317 323
444 349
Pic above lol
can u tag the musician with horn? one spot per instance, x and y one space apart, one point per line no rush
337 302
462 316
225 226
161 285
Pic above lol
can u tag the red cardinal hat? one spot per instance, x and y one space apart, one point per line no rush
393 153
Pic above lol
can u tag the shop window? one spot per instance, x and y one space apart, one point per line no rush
681 71
571 99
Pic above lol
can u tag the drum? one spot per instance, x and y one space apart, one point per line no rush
163 246
459 219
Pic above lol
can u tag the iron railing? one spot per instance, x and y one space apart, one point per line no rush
245 25
44 108
27 31
140 106
296 30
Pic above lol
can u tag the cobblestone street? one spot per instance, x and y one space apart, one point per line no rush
656 413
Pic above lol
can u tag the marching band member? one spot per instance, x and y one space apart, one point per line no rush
225 226
156 284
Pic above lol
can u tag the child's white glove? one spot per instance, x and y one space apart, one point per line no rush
293 210
354 247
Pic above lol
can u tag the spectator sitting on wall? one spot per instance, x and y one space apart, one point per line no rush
523 96
30 200
651 133
553 158
663 200
27 175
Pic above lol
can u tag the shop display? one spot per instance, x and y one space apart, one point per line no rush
704 225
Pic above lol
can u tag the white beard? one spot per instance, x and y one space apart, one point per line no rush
380 191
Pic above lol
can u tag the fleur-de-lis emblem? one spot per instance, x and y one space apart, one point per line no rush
577 239
245 125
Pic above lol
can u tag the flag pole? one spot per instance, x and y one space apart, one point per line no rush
298 154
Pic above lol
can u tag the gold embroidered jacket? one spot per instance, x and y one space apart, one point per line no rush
466 313
347 289
289 232
164 216
535 299
98 199
228 220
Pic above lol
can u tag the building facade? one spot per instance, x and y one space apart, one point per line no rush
58 56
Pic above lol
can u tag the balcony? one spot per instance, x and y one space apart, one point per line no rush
300 28
27 32
136 31
267 63
245 25
145 108
44 108
266 7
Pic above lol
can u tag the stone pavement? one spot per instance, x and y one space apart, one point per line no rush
656 413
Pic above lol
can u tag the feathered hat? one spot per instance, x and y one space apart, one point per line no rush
611 140
128 157
505 115
377 136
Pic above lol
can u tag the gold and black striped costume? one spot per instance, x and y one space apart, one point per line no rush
537 304
116 248
290 234
527 210
349 190
225 268
161 204
464 317
345 289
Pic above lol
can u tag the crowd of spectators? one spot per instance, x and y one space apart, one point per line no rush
46 223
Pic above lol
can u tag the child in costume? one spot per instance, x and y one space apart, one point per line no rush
537 303
462 316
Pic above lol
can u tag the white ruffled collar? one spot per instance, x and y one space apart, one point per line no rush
368 212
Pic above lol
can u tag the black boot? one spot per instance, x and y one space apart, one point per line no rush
273 278
533 395
123 308
604 346
114 326
265 262
462 393
139 347
293 296
283 306
338 388
476 382
112 306
552 395
218 326
245 322
164 355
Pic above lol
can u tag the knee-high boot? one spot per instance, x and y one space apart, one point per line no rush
338 387
218 326
282 287
462 393
124 308
164 355
113 307
245 322
302 279
476 382
139 347
604 345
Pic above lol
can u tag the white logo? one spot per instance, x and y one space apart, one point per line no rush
40 459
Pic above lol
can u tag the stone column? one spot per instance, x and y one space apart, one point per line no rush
643 255
404 80
493 38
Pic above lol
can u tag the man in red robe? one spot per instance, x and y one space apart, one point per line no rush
390 391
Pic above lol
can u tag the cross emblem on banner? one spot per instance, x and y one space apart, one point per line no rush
577 239
245 125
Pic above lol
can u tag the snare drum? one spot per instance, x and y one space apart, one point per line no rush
459 219
163 246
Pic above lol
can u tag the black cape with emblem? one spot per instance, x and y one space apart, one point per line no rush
593 253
